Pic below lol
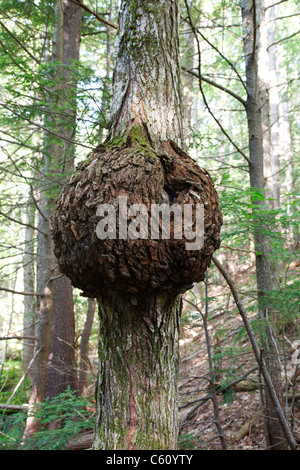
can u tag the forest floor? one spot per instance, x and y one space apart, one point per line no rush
236 371
239 407
236 374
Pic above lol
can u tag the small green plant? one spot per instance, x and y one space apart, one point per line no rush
69 411
188 441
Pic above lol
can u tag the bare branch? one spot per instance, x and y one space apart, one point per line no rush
17 337
44 128
101 31
201 89
196 30
13 407
284 17
19 42
257 353
36 204
22 378
274 4
217 85
92 12
284 39
22 223
20 293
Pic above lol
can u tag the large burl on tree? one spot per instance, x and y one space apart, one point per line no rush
135 170
138 281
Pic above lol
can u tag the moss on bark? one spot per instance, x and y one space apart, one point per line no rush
138 368
132 168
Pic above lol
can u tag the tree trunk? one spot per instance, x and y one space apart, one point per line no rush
274 108
138 370
263 95
45 259
84 347
137 279
29 286
146 80
264 275
61 367
106 79
62 363
57 160
45 272
287 151
138 348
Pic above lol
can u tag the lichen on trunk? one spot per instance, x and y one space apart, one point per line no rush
138 369
146 81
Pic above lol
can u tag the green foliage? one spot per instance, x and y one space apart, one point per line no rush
188 441
11 374
68 410
31 99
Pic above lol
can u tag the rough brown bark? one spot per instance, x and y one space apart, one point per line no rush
62 363
138 369
139 173
61 366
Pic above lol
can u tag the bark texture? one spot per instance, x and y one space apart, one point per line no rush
138 371
61 361
61 367
84 348
136 171
146 80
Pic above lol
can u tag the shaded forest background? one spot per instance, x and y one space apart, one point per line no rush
52 113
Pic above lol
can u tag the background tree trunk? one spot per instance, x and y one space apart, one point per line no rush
29 286
84 347
62 363
45 250
263 95
274 108
264 275
57 161
61 367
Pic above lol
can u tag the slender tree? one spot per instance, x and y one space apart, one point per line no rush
274 106
58 154
29 284
45 258
84 347
264 274
62 371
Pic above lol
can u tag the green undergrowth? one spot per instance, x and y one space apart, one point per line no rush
72 414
